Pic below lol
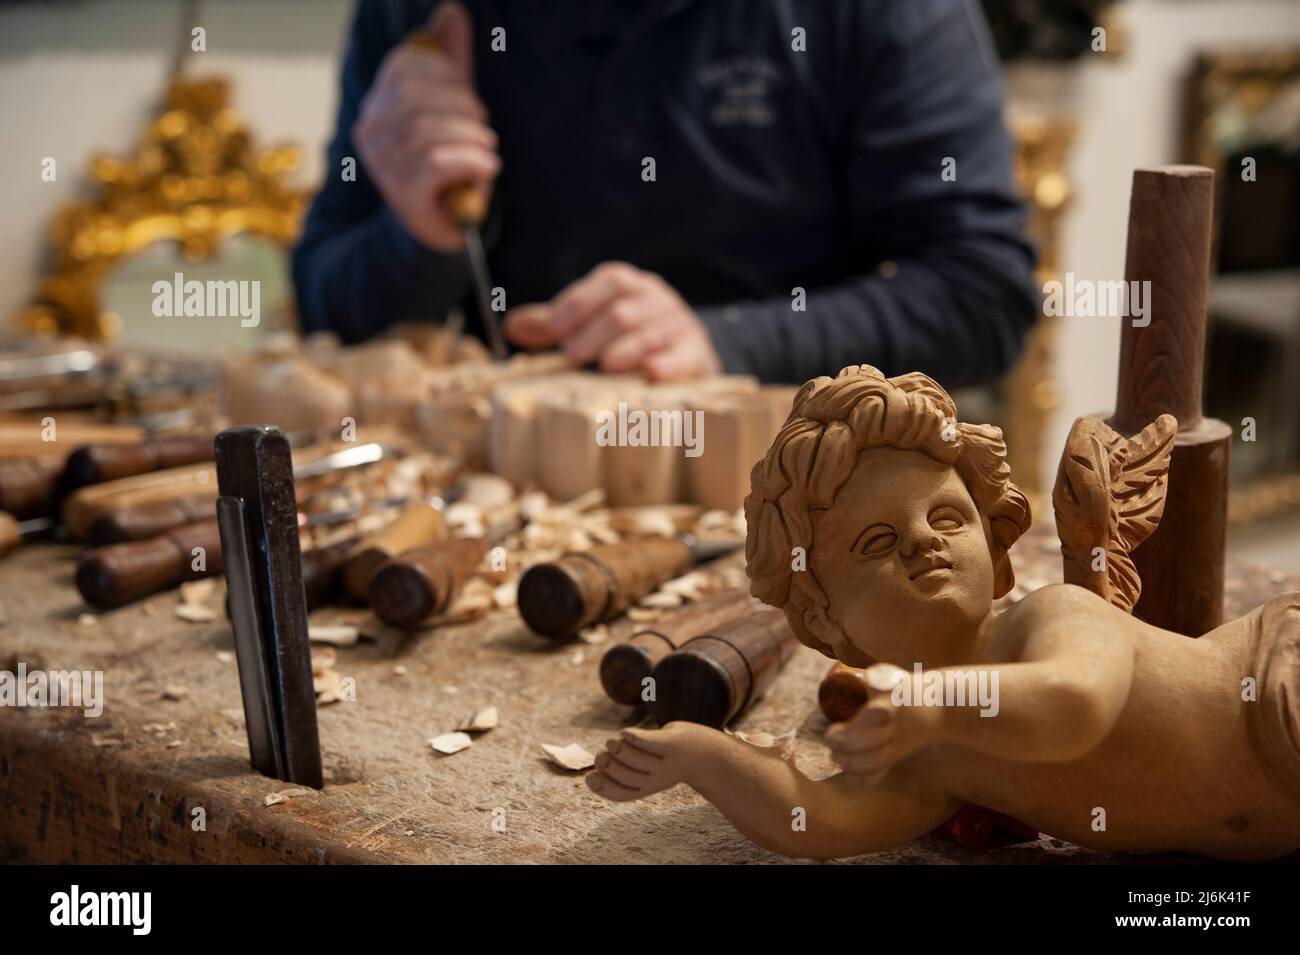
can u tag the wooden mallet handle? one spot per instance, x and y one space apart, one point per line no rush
120 573
1161 371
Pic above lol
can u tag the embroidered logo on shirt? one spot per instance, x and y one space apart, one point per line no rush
742 88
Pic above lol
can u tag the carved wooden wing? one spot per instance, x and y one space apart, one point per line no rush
1108 498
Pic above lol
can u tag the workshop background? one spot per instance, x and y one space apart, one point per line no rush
1207 81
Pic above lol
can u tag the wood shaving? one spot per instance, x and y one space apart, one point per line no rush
159 729
596 633
450 743
399 670
688 586
643 614
473 601
284 795
324 657
482 721
225 656
175 693
197 591
87 620
662 600
505 595
338 635
172 744
572 757
782 745
196 613
329 685
577 657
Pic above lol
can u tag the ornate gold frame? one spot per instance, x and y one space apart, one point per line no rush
195 177
1249 80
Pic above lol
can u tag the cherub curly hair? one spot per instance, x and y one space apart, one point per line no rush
832 420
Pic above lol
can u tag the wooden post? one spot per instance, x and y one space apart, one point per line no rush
1161 370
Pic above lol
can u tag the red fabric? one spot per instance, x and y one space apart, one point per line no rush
980 829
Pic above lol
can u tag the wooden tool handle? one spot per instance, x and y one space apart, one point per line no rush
29 438
10 537
84 504
28 486
625 665
322 571
119 573
1161 365
410 590
713 678
418 524
141 521
843 691
558 598
96 463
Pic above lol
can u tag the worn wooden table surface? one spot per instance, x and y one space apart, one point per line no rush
124 787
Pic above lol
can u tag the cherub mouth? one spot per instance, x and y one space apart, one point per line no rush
941 563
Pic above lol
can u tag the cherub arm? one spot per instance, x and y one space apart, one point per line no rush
1074 667
760 793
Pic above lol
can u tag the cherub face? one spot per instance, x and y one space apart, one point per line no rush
902 556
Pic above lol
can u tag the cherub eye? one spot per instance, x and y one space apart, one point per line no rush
946 519
876 540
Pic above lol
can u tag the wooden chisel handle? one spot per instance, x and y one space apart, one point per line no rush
418 524
413 588
97 463
132 522
560 597
28 486
625 665
120 573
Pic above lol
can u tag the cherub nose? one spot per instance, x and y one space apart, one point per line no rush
921 544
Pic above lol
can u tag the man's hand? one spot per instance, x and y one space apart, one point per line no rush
643 762
623 318
423 128
873 740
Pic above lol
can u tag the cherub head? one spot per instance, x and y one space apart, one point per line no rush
904 514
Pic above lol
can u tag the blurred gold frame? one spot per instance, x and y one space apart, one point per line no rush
195 177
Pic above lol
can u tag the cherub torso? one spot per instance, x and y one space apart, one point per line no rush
1178 771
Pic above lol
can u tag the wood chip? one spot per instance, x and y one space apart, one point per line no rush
662 600
577 657
449 743
196 613
482 721
175 693
225 656
338 635
572 757
329 685
399 670
643 614
596 633
87 620
197 591
504 596
284 795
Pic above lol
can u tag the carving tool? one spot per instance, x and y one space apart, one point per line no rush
257 514
625 666
419 523
29 486
715 677
560 597
1161 371
97 463
415 587
466 205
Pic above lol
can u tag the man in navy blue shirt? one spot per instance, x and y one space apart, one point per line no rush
679 187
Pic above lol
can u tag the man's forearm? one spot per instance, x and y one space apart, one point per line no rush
357 279
959 316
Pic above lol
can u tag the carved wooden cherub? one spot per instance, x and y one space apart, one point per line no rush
1106 731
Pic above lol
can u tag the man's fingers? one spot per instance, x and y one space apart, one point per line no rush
610 788
575 305
616 317
453 32
628 351
460 162
531 326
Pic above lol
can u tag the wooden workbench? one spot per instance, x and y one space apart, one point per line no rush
123 787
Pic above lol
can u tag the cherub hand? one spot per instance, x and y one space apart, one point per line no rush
869 743
643 762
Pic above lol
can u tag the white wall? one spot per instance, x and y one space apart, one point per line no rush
1130 112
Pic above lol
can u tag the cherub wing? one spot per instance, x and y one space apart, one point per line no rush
1108 498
